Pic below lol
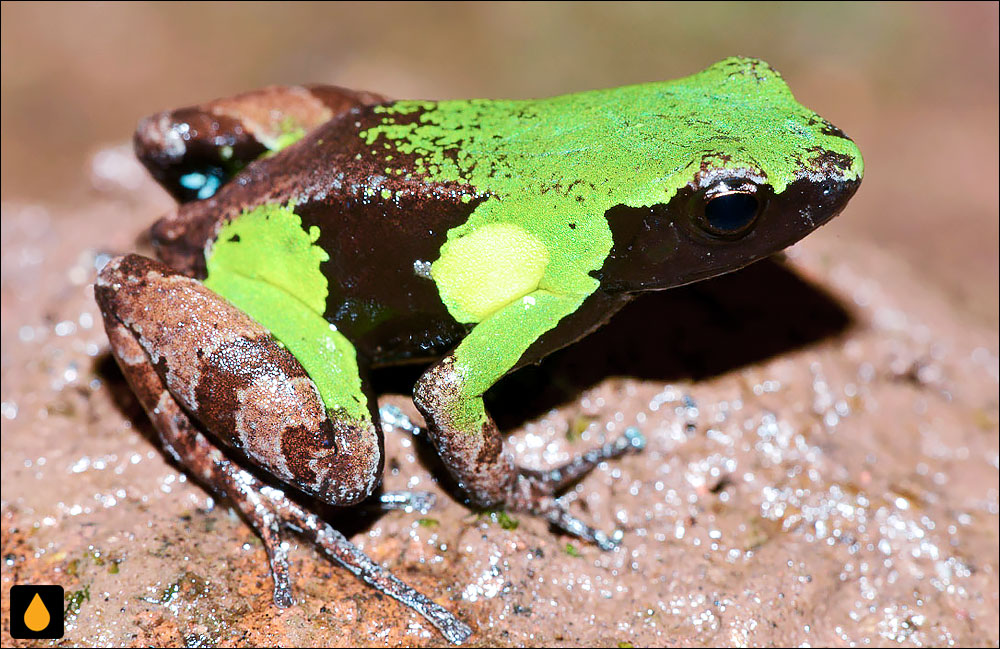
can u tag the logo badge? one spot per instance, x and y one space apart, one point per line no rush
36 612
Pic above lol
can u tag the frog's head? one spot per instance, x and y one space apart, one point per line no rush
754 171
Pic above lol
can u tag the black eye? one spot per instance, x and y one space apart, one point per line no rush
730 215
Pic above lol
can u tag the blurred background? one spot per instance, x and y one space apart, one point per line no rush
914 84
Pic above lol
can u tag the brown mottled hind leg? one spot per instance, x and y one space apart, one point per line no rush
192 151
249 392
474 453
265 507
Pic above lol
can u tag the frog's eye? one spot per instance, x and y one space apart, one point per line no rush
730 214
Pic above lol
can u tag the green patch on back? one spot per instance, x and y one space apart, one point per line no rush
267 265
553 167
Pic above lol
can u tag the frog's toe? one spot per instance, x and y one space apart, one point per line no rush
282 594
560 518
636 440
270 526
555 480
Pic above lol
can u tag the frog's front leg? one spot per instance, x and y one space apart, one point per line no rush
449 396
191 356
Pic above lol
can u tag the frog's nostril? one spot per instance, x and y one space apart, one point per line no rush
833 197
843 190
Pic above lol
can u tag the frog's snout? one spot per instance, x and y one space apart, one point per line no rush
830 198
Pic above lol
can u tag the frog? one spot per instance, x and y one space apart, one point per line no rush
322 232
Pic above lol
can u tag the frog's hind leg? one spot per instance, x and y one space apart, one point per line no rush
195 150
267 509
130 288
243 387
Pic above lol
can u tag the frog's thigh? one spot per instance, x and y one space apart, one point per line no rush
227 372
189 447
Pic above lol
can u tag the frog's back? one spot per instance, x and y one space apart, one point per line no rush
388 184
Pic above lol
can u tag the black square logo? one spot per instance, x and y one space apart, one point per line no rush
36 612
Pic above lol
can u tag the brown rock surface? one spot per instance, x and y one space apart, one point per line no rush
830 477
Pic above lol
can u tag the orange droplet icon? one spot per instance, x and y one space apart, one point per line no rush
36 617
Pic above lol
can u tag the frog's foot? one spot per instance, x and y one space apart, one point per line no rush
534 491
472 448
555 480
555 512
339 549
268 525
274 515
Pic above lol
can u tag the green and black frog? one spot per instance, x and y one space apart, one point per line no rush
323 232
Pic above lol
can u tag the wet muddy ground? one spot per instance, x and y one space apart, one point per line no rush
822 466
